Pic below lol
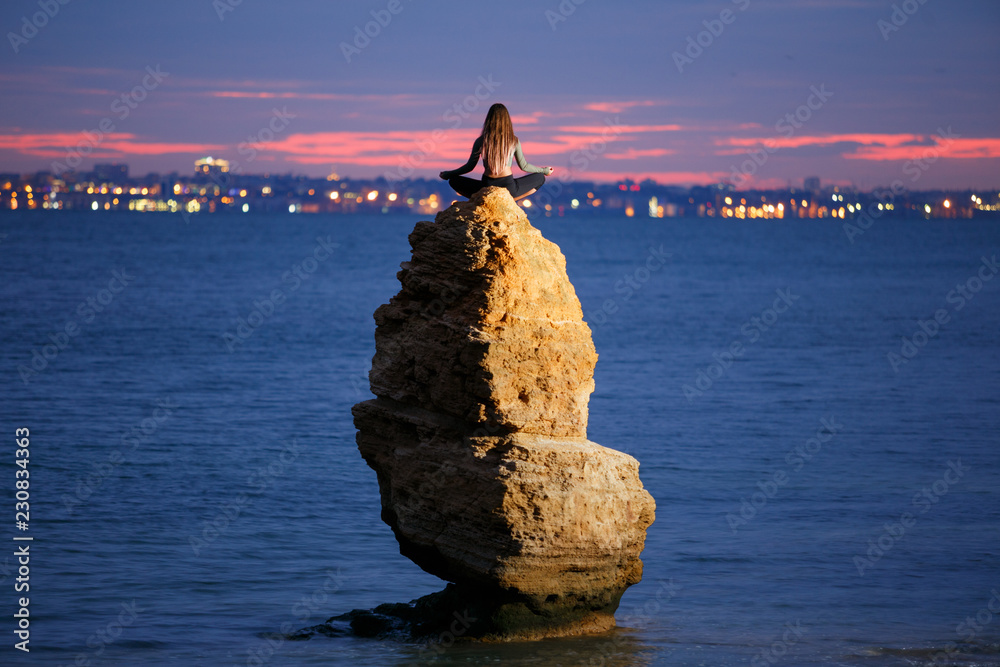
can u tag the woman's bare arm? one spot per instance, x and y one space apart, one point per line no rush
527 166
477 149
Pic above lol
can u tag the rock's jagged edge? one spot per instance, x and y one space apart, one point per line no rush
483 371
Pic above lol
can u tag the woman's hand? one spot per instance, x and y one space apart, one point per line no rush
551 170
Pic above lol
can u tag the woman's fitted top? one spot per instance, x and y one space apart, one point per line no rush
477 149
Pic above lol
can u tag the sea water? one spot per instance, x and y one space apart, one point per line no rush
816 418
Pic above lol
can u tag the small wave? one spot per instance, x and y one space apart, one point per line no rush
949 653
714 559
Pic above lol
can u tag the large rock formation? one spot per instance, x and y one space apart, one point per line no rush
483 370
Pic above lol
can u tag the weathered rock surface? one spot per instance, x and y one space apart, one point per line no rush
483 370
487 327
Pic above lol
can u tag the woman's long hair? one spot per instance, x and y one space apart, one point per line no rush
498 139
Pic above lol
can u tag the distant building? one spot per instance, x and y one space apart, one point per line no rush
210 165
110 173
812 183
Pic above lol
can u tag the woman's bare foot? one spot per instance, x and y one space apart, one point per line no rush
526 194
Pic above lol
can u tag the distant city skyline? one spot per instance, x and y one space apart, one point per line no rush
755 92
216 186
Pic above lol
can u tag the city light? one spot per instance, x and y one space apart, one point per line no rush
278 193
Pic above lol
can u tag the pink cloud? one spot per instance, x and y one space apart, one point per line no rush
58 144
603 128
876 147
618 107
328 97
524 120
961 149
386 149
633 153
815 140
426 150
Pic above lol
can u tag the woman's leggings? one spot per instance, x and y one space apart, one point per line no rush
517 187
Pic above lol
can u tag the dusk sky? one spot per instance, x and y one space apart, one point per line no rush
600 90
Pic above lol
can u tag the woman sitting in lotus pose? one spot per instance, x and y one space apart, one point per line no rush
498 146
